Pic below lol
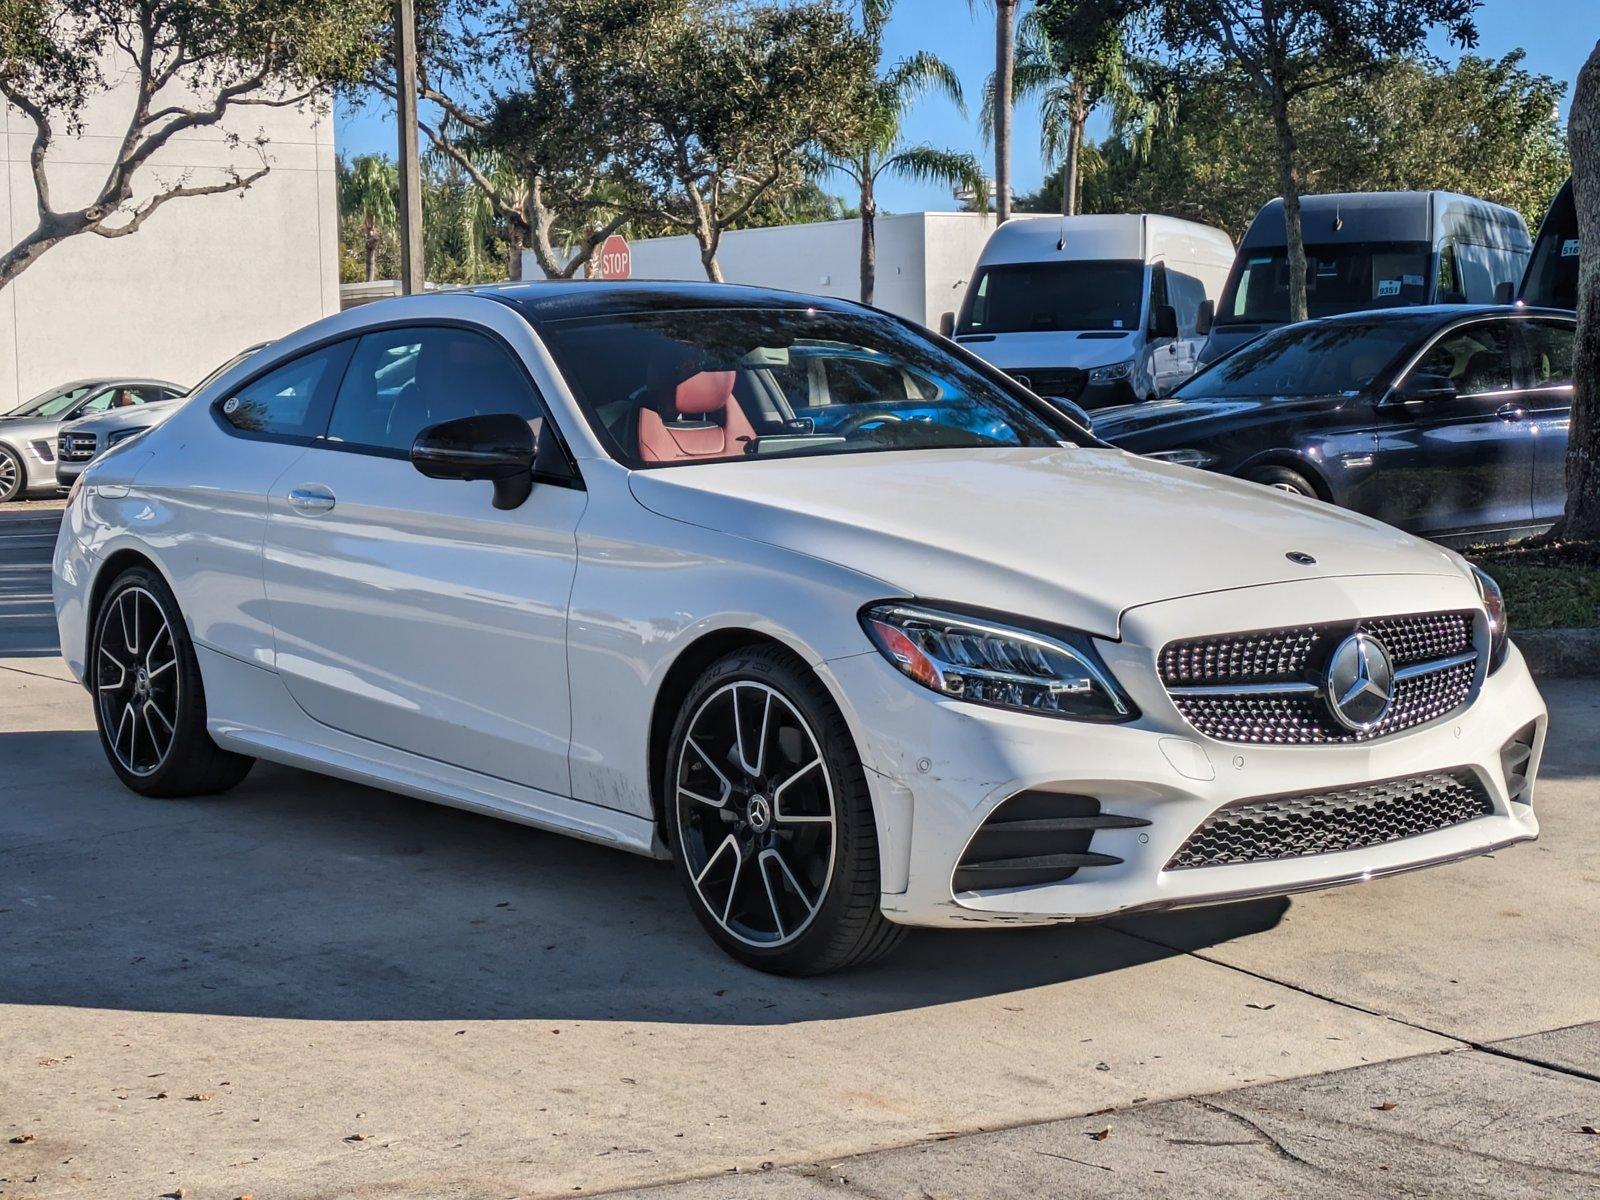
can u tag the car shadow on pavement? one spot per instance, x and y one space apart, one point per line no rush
301 897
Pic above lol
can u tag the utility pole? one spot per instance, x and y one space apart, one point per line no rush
405 65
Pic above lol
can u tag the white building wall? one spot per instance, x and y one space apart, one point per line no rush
203 278
924 259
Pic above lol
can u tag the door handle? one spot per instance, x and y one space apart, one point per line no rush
1511 412
311 499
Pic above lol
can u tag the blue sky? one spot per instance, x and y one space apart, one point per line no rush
1556 38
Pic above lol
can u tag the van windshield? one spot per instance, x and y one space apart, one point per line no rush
1339 279
1044 297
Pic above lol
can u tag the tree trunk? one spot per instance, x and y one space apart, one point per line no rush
1005 61
1582 521
1290 190
515 242
869 235
1073 172
370 229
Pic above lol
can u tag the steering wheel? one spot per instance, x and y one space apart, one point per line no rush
861 420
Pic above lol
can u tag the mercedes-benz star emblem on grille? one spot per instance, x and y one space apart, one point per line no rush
1360 684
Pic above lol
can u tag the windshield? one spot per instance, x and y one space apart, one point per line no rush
1339 279
1344 358
1041 297
54 402
679 387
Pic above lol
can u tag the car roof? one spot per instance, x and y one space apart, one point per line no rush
563 300
1438 314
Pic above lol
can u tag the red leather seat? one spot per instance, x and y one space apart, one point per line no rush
706 422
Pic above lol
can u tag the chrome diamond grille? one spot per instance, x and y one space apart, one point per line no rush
1326 822
1264 687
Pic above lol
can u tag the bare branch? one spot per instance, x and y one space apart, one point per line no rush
238 183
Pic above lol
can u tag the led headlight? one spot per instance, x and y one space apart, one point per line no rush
1112 372
1185 458
1494 603
984 662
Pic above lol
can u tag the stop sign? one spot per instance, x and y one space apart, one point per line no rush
614 260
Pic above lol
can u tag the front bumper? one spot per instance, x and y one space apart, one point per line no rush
938 769
67 473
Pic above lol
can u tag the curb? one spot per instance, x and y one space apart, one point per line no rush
1560 653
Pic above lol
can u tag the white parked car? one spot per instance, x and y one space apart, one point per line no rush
564 553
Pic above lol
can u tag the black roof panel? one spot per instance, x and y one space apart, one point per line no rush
561 300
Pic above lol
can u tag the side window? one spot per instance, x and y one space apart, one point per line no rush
1476 359
291 401
401 381
1449 289
852 381
1549 353
1188 294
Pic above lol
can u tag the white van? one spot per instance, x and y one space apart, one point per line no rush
1099 310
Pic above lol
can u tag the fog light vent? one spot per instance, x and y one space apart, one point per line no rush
1515 758
1034 838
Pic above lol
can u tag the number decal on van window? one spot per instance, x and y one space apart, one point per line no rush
1388 287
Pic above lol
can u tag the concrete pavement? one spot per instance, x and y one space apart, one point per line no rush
311 989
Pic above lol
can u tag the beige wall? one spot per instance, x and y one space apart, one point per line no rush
204 277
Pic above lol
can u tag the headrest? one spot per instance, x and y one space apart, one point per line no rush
704 393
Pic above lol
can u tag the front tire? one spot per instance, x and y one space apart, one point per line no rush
1284 479
149 701
13 476
771 820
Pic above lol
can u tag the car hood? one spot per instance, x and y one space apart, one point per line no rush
22 429
1201 415
1069 535
1014 351
139 417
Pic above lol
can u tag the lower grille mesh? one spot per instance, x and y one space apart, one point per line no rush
1326 822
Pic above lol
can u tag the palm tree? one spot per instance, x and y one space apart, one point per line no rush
1069 83
369 190
997 111
880 153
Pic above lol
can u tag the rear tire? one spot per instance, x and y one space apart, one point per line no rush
13 476
771 821
149 701
1285 479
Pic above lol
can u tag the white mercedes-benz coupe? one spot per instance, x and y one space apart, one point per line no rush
850 625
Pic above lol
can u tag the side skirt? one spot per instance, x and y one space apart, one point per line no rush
259 718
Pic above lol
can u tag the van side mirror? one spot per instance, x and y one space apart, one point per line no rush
500 447
1505 292
1205 317
1421 386
1164 321
947 324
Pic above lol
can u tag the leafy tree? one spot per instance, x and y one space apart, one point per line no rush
1069 81
369 189
183 66
878 151
1485 127
734 103
1285 50
1582 521
529 87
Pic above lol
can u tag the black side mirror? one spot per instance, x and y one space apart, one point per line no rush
947 324
1164 321
501 448
1505 292
1422 386
1205 317
1072 411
